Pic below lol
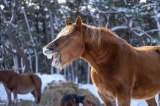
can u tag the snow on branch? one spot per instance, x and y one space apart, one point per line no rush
142 32
118 28
148 5
6 3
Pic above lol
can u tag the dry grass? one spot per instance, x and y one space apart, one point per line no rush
53 94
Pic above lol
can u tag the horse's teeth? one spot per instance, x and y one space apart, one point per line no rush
49 56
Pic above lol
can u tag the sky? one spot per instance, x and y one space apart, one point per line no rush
58 77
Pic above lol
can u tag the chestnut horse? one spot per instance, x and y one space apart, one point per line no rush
118 69
75 100
20 84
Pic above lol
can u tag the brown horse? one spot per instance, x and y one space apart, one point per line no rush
20 84
118 69
75 100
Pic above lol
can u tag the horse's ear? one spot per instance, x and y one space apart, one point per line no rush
68 22
78 22
84 97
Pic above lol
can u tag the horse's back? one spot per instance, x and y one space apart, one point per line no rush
148 48
149 56
30 78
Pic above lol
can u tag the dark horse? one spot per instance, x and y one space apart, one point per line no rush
20 84
117 69
75 100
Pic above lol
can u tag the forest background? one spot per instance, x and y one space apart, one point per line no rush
26 26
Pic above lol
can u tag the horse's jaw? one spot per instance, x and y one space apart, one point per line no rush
56 62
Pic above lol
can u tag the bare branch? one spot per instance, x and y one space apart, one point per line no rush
13 12
27 24
8 22
1 42
106 12
142 32
59 6
153 30
51 24
125 2
147 5
107 16
89 12
6 3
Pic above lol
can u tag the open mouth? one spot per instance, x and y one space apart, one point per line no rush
56 62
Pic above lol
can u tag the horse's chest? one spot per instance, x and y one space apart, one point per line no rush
102 86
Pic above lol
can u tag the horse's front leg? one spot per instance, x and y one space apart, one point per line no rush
9 97
151 102
108 101
123 96
15 92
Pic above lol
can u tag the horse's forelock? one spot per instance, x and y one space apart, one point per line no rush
67 30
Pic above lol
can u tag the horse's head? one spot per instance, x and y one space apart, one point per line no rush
81 98
68 45
72 100
75 102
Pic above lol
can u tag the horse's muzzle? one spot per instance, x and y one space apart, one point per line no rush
49 50
52 52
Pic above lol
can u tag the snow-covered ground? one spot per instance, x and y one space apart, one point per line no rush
57 77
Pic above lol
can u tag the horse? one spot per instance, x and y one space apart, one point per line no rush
21 84
72 100
75 100
118 70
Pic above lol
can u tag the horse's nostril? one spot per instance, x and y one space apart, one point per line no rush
50 48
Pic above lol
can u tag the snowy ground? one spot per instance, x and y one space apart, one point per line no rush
57 77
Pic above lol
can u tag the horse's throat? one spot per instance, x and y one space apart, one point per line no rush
89 58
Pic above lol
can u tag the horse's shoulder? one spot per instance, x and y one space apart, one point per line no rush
11 72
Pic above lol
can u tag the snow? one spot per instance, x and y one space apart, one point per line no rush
56 78
142 1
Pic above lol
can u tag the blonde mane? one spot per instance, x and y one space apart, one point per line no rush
95 33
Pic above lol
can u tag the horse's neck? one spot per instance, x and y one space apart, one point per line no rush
4 77
97 55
